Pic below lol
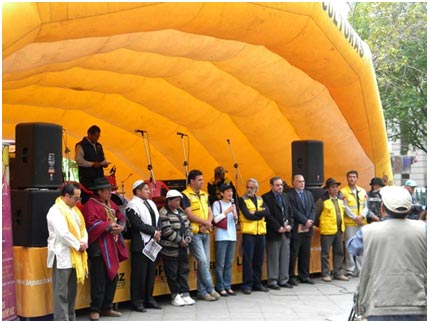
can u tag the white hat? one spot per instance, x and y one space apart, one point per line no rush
173 193
397 199
137 183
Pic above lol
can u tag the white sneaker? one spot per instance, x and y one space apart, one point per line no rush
178 301
188 300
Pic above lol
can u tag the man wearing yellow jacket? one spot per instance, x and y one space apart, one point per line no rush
195 203
330 220
355 200
253 229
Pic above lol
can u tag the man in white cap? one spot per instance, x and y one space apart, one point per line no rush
393 279
144 220
410 185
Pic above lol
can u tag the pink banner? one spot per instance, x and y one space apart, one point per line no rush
8 280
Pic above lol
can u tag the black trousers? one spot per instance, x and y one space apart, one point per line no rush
142 279
102 289
300 250
177 272
253 258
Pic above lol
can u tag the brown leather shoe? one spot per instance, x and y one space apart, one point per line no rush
94 316
111 313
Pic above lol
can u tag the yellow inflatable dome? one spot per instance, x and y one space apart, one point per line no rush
259 75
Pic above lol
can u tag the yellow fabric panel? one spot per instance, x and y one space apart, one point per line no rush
259 74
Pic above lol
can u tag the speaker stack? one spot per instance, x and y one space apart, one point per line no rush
36 174
307 160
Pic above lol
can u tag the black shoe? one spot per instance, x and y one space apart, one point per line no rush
261 288
287 285
307 280
154 305
246 291
139 308
274 286
294 281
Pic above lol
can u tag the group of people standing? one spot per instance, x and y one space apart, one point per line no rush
279 223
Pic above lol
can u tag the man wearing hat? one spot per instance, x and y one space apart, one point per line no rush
143 216
330 220
410 186
176 234
213 187
393 280
106 247
374 200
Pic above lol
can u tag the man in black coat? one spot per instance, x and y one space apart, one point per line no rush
301 203
279 226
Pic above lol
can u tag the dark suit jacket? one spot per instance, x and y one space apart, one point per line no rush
275 219
137 226
300 212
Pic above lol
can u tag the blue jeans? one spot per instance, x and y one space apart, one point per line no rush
224 258
200 247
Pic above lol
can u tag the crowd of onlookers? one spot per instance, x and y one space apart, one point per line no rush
278 225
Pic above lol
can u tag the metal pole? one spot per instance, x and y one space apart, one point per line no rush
237 171
185 162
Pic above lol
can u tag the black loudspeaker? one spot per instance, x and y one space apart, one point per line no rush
307 160
38 158
29 210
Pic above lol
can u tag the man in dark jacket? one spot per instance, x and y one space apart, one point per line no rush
303 211
279 227
89 156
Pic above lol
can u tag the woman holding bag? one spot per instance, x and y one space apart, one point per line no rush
225 219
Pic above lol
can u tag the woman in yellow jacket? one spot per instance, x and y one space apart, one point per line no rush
253 229
330 220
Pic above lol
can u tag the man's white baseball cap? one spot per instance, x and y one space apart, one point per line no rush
396 198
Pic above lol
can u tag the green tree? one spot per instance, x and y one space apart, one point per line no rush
396 33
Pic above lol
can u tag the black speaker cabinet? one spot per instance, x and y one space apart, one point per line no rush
29 210
38 159
307 160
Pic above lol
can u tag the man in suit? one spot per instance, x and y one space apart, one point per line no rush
303 211
279 226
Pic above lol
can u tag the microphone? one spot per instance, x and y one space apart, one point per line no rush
141 131
181 134
232 201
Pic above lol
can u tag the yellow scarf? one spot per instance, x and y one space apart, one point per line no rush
79 259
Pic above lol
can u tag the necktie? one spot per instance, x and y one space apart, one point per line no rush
301 195
152 213
280 201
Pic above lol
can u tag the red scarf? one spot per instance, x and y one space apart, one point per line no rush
98 217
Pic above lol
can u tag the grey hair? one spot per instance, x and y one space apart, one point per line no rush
254 181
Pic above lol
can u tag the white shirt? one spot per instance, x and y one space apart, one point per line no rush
60 239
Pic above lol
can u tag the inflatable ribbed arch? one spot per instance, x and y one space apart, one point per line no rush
258 74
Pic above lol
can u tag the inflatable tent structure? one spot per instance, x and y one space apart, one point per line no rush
259 75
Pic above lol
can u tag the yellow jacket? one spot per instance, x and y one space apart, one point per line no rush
254 227
350 198
199 206
328 217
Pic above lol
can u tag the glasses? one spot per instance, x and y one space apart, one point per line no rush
250 187
76 198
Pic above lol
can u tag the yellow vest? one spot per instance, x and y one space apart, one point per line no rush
328 217
199 206
258 227
350 198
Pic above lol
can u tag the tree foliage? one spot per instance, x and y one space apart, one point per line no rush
396 33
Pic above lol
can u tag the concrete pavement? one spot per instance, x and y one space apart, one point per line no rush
319 302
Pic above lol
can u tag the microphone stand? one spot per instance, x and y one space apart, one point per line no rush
237 171
149 165
185 163
66 175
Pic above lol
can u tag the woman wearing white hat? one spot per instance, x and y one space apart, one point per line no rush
176 234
